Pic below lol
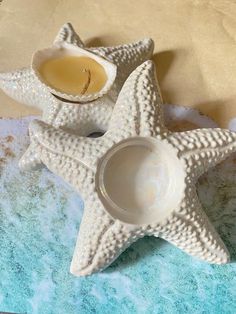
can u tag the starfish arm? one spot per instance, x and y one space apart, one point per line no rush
138 109
190 230
24 87
101 239
67 34
127 57
75 173
203 148
82 120
83 150
30 160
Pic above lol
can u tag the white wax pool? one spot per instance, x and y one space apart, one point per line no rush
141 181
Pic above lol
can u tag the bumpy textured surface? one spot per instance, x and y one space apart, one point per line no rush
83 119
138 112
40 216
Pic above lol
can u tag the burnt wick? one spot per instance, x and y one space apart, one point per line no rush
86 85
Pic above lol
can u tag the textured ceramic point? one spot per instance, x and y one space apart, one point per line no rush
109 224
25 87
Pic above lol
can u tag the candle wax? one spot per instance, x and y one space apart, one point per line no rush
136 178
141 181
74 75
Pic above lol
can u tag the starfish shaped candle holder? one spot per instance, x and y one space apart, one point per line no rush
137 179
79 118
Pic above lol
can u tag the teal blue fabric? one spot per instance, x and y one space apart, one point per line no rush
39 221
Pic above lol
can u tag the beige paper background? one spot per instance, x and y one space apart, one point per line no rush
195 49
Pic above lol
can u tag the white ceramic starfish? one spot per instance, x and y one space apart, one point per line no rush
83 119
138 179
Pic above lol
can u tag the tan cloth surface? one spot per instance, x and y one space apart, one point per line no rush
195 50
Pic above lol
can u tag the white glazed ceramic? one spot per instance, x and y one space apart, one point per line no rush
83 119
96 166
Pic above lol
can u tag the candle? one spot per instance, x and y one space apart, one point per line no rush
75 75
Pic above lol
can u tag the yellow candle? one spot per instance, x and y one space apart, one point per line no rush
74 75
